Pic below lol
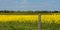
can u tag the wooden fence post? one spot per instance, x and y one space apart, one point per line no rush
39 21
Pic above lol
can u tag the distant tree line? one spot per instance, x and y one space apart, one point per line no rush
6 11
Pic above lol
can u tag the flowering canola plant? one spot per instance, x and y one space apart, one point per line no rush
18 17
32 18
50 18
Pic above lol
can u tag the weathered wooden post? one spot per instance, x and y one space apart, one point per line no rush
39 21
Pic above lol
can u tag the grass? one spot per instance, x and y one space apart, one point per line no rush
16 25
27 25
50 26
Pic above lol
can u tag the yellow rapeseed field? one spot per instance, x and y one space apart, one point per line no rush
18 17
44 18
50 18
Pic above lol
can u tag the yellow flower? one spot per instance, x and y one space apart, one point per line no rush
18 17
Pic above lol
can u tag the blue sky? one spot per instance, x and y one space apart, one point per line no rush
46 5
